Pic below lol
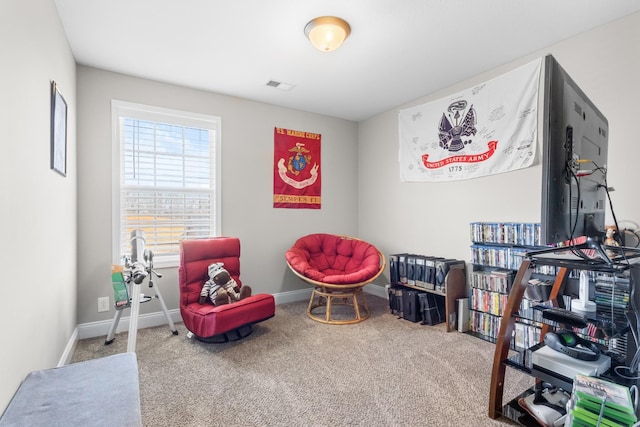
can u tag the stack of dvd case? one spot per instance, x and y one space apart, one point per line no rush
612 298
612 295
597 402
510 233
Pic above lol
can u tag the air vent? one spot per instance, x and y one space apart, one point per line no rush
279 85
574 203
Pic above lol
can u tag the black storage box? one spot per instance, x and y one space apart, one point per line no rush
395 300
411 305
442 268
431 308
394 269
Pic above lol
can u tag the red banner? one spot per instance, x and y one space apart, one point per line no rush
296 169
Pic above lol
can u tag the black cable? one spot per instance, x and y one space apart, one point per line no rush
606 189
574 249
575 224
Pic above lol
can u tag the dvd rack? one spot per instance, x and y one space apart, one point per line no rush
496 253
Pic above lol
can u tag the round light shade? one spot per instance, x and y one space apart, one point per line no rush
327 33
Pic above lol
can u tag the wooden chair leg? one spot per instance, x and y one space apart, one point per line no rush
325 298
356 306
313 294
364 301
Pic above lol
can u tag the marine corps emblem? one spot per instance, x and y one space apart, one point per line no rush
299 161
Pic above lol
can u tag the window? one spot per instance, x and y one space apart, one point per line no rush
166 179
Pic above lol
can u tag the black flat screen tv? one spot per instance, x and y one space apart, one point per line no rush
574 159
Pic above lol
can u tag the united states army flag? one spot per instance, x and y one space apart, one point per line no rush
487 129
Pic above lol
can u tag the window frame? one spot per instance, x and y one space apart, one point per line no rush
123 109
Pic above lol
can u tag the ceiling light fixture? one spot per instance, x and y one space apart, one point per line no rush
327 33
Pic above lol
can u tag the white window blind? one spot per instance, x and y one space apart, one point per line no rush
168 169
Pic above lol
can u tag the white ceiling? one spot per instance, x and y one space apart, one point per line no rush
399 50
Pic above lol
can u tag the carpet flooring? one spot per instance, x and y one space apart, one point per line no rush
293 371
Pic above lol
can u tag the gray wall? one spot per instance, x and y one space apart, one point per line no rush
433 218
56 250
247 183
38 208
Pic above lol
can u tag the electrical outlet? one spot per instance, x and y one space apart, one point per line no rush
103 304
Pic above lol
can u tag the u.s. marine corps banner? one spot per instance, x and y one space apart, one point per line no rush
296 171
488 129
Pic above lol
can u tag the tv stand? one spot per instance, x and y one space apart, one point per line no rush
565 262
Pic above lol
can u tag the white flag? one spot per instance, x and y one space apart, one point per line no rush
488 129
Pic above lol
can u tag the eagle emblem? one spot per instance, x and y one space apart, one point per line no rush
299 160
451 132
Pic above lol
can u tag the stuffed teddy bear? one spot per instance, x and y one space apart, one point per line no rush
221 288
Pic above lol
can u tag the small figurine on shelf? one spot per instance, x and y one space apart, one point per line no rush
610 240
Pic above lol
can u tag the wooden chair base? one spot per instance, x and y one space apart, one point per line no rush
327 298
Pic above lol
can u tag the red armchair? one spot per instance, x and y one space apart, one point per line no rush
207 322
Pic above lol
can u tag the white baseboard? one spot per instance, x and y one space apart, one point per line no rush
69 349
292 296
102 327
148 320
376 290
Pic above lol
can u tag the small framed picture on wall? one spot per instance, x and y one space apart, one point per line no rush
58 131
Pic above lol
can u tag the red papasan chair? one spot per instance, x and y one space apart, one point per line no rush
207 322
338 267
